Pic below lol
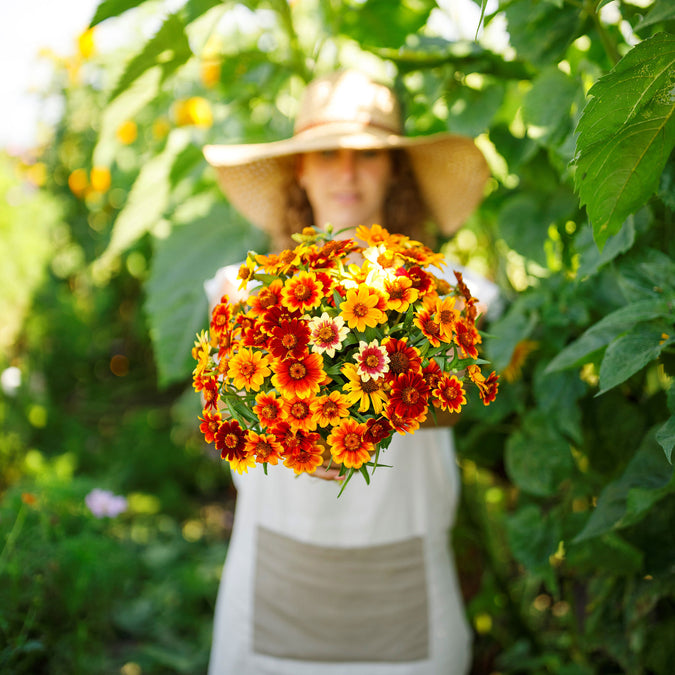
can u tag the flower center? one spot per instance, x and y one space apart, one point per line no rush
263 449
269 412
410 395
289 341
360 309
247 369
231 440
297 371
372 360
302 292
446 316
431 327
329 408
352 441
370 387
325 334
299 410
266 298
399 362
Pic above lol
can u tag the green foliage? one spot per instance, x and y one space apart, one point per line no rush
565 536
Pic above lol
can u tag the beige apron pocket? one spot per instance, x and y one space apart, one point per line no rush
317 603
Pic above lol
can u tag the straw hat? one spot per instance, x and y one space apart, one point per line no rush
348 110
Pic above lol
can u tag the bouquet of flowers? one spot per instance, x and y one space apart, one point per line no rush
327 359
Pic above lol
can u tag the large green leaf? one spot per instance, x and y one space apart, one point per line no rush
631 352
537 457
647 479
168 49
599 335
176 303
148 198
524 226
666 437
625 135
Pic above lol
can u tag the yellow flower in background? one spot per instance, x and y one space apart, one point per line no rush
127 132
210 72
193 111
99 178
78 182
85 44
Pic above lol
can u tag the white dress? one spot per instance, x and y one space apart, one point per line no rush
364 584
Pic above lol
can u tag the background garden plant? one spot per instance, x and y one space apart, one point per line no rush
566 540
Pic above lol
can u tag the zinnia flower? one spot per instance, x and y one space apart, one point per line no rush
364 392
299 377
231 441
426 322
268 409
302 292
348 445
359 309
377 429
209 424
265 298
327 334
265 447
289 338
402 357
372 360
409 396
466 337
400 294
449 394
329 409
487 387
298 413
248 369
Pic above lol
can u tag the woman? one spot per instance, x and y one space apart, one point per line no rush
365 584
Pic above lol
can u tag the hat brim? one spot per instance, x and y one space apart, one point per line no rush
450 170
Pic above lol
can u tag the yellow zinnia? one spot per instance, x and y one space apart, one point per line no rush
365 393
248 369
360 310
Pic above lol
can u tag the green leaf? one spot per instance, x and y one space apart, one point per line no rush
547 105
539 31
537 457
661 11
649 473
591 259
666 437
524 226
168 50
176 304
147 200
471 110
193 9
625 135
607 552
109 8
630 353
382 23
599 335
533 538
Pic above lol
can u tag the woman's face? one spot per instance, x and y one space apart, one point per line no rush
346 188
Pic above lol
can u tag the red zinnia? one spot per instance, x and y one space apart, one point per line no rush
231 441
449 394
289 338
402 357
299 377
409 396
210 423
466 337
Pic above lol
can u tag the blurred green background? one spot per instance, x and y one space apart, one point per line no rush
108 228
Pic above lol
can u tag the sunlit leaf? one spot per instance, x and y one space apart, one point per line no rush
599 335
625 135
176 303
148 198
169 49
660 11
109 8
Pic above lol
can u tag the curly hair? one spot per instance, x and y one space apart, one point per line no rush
404 209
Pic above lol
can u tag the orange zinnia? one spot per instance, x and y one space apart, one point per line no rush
329 409
265 447
210 423
299 377
360 310
487 387
446 316
401 294
268 409
248 369
426 322
449 394
348 445
269 296
466 337
302 292
298 413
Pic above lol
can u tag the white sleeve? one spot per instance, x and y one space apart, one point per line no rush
224 278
